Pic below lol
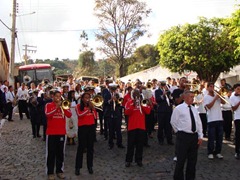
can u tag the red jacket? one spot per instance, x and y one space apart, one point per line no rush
136 119
85 117
56 122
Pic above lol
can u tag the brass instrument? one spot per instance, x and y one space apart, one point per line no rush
221 93
97 102
149 85
120 100
27 79
145 102
66 104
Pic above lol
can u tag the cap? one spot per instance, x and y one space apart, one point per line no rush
88 88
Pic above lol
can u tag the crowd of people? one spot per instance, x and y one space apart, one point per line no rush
70 113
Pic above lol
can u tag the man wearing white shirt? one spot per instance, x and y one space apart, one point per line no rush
235 102
187 124
212 102
9 106
227 116
22 95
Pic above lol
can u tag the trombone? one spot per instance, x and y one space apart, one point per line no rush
221 93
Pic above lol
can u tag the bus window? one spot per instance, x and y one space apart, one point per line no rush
44 74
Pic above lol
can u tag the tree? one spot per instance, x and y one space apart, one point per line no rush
203 47
121 25
144 57
233 23
86 62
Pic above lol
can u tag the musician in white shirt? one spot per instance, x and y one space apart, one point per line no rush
212 102
187 124
235 102
22 95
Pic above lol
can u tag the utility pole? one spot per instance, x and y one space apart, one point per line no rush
14 35
26 50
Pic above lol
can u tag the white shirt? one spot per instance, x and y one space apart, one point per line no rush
215 113
10 96
226 106
199 100
234 100
4 86
22 94
172 88
181 119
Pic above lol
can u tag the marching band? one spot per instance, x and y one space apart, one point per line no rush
70 113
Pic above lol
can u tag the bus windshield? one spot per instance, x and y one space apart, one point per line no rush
44 74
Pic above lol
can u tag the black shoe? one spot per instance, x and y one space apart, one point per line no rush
90 170
140 164
105 138
34 136
127 164
77 172
170 143
10 120
39 136
110 147
160 142
121 146
147 145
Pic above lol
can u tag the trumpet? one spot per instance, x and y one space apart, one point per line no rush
120 100
66 104
145 102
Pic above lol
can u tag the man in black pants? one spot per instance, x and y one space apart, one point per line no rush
187 124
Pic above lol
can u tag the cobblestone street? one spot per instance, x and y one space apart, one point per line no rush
23 157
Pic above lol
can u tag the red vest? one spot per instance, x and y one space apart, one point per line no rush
136 118
85 117
56 122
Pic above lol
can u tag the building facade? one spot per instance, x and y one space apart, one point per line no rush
4 60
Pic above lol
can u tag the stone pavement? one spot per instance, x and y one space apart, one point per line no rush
23 158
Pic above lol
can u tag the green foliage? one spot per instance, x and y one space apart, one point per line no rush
86 60
233 25
203 47
121 25
65 66
144 57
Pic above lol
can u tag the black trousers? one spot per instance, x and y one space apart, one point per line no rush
237 135
55 153
85 140
106 126
164 126
135 143
115 126
35 128
203 118
22 105
100 115
8 110
187 147
227 123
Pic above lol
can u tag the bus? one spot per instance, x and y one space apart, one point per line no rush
36 73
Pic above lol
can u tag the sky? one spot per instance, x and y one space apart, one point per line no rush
53 27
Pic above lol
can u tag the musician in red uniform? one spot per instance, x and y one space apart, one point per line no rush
136 128
56 135
86 132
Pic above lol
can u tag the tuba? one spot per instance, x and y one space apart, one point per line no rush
27 79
